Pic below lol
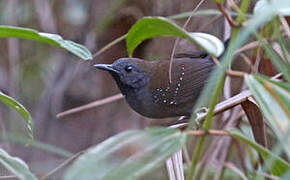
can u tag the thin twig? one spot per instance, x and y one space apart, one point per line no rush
236 73
177 39
91 105
216 61
119 39
210 132
258 60
248 61
236 170
63 164
186 155
230 72
236 7
225 14
241 155
270 176
248 46
13 52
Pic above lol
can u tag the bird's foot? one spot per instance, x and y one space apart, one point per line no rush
199 117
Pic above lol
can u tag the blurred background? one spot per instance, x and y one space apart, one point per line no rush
48 80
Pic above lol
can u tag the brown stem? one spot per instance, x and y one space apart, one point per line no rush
91 105
211 132
225 14
235 73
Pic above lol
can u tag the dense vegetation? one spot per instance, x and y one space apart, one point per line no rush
252 141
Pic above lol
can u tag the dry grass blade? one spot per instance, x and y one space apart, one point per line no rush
248 61
257 123
256 120
236 170
226 15
268 176
248 46
210 132
91 105
174 166
62 165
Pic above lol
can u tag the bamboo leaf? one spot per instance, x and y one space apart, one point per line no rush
53 39
279 6
16 166
12 103
273 98
149 27
256 120
128 155
278 168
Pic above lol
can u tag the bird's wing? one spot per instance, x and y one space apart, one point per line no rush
196 73
189 75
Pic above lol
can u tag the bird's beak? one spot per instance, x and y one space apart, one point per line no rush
107 67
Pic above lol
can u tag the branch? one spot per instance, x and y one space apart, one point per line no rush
91 105
225 14
211 132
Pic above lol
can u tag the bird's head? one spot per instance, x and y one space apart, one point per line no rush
132 73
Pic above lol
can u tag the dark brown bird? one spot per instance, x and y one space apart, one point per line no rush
146 86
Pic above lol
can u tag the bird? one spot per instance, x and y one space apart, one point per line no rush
148 90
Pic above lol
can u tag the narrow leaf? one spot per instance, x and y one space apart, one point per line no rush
274 100
256 120
282 65
18 139
278 168
128 155
279 6
53 39
12 103
149 27
16 166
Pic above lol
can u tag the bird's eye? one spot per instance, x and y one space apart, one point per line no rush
128 69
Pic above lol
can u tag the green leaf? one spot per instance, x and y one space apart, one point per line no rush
53 39
16 166
12 103
278 168
281 7
237 41
273 98
18 139
149 27
212 88
128 155
282 64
